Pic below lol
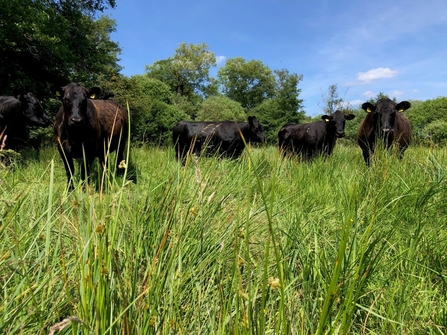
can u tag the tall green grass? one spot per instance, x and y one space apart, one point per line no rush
261 245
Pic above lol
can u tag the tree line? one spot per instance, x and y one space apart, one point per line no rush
51 42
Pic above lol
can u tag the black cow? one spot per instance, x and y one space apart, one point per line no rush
385 122
88 127
226 138
312 139
15 114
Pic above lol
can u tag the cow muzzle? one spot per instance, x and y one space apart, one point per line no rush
75 120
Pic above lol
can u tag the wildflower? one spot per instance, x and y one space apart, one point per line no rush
243 295
241 233
153 320
274 283
193 210
122 165
100 229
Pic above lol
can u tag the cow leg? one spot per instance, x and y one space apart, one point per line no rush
86 167
120 157
400 153
367 157
182 151
69 168
69 171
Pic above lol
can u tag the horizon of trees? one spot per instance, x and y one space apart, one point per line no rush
47 42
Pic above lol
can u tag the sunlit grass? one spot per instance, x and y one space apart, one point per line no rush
258 245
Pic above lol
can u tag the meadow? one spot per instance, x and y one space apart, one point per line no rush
260 245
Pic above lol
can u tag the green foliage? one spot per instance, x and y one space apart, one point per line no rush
272 118
437 131
54 42
219 107
264 245
287 93
284 107
428 119
153 114
332 101
379 96
152 106
189 107
352 127
249 83
187 73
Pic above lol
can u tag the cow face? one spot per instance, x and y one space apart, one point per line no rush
336 122
74 99
33 111
384 113
256 130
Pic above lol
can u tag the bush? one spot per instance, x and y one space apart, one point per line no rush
219 108
437 131
423 114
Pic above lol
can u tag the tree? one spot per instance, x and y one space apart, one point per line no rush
284 107
331 102
428 118
249 83
286 96
46 42
379 96
187 73
219 108
153 113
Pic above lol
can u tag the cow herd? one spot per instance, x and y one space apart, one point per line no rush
89 126
384 122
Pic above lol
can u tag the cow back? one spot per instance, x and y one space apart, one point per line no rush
111 117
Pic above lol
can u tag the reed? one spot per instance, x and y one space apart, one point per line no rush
260 245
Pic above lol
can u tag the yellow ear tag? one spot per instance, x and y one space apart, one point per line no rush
368 110
327 120
58 94
93 96
401 110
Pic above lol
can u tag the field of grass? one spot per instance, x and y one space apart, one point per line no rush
262 245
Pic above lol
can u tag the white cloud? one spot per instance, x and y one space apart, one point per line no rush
220 59
395 94
369 94
354 103
375 74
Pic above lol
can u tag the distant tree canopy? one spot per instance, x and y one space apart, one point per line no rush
219 107
187 72
429 120
44 42
249 83
152 106
242 88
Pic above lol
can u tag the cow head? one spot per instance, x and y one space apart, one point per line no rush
32 110
336 122
74 99
384 113
256 130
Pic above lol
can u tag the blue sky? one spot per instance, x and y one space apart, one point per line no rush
364 47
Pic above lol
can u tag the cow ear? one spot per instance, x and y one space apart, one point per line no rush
402 106
94 92
57 91
251 119
368 107
326 118
349 116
